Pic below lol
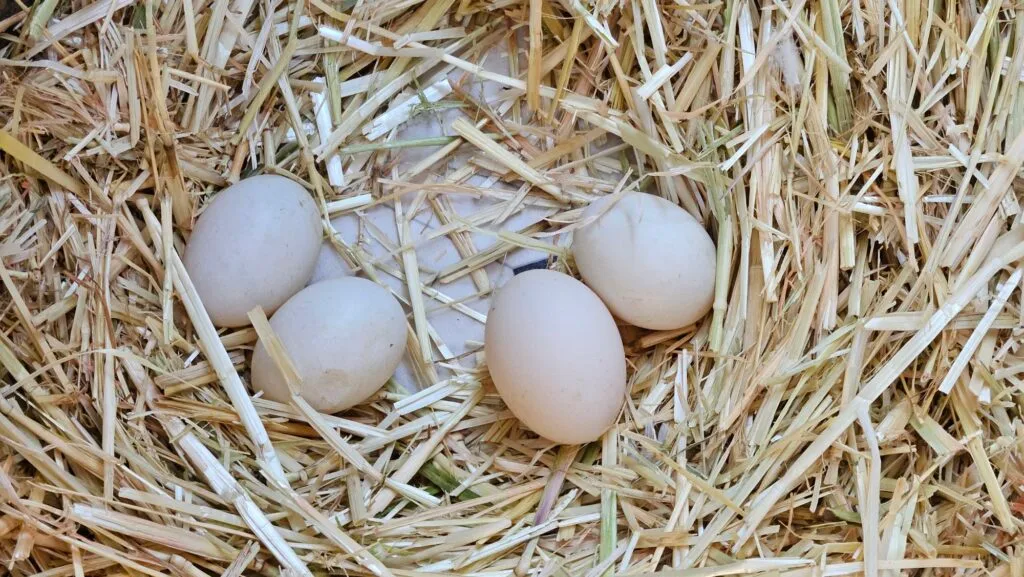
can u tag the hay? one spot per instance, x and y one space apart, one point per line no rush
853 405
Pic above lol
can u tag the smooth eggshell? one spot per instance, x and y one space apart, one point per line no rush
650 261
255 244
329 264
345 336
555 356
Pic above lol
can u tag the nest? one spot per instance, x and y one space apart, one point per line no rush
853 404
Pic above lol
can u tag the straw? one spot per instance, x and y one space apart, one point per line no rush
852 404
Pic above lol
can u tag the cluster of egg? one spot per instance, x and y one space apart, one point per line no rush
552 344
257 244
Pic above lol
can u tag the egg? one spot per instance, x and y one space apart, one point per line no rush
329 264
344 335
555 356
255 244
651 263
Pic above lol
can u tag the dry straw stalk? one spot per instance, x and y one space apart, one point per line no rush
854 404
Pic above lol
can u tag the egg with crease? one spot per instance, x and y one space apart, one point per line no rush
650 261
255 244
555 356
344 335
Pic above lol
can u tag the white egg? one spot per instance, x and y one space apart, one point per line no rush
555 356
255 244
650 261
345 336
329 264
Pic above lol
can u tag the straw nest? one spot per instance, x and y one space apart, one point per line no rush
852 405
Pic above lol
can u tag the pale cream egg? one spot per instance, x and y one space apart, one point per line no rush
650 261
555 356
345 335
255 244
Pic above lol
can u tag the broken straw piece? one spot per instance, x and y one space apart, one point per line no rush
402 111
324 126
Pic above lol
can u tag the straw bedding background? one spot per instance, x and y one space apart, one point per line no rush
853 404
